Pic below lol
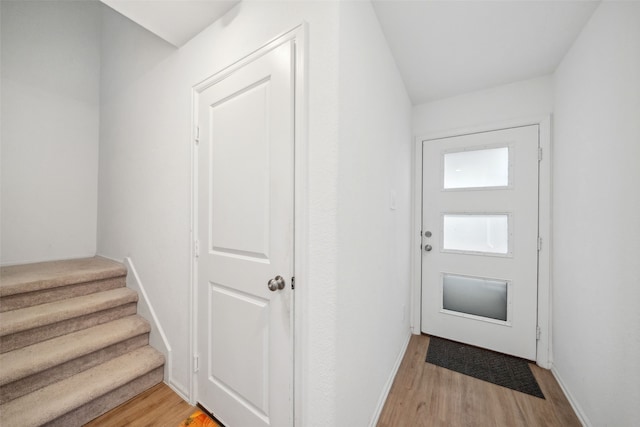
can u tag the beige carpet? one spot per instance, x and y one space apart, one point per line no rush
71 343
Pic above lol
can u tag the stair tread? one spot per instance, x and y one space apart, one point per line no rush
44 314
64 396
17 279
38 357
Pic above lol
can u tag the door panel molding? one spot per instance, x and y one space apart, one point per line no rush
297 36
472 222
543 350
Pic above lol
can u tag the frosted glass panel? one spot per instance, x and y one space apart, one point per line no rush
477 168
476 233
474 295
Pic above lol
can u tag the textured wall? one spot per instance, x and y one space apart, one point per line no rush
144 183
374 158
521 100
50 120
596 334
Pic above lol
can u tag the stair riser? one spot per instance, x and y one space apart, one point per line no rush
56 373
105 403
28 299
18 279
71 379
42 333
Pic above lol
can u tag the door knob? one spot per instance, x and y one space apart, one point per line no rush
428 248
276 283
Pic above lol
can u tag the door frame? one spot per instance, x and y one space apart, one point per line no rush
298 36
543 347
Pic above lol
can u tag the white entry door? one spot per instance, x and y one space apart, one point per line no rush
480 239
245 238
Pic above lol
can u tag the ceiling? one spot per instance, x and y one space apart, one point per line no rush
442 48
176 21
447 48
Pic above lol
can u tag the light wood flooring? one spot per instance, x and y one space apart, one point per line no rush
158 407
422 395
427 395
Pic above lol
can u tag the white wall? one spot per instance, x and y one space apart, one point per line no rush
521 100
596 334
145 171
498 106
355 319
595 98
374 154
50 113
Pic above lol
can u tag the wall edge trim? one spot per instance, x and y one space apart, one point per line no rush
582 417
134 282
7 263
392 376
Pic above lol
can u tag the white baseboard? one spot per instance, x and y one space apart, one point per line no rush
179 389
582 417
157 337
389 383
7 263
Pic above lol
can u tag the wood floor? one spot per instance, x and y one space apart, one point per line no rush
158 407
427 395
422 395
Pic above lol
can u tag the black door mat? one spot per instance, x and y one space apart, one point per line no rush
486 365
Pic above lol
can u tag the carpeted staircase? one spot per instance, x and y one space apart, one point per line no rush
71 344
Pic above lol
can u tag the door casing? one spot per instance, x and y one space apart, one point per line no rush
297 35
543 350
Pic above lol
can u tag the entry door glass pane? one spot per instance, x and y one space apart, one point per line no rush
475 295
477 168
476 233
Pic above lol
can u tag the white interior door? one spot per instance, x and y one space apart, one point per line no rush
245 235
480 239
